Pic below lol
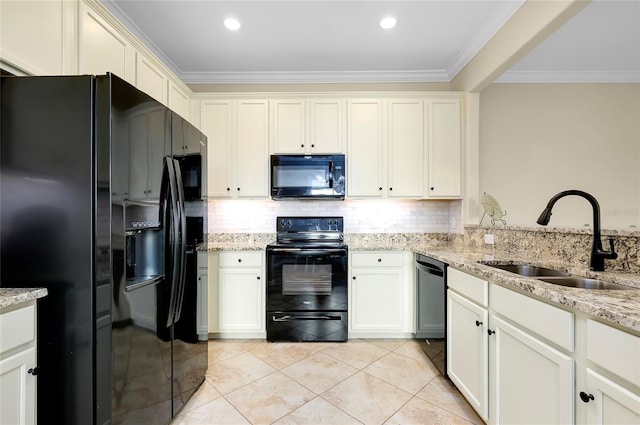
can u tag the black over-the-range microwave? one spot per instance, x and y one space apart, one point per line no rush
308 176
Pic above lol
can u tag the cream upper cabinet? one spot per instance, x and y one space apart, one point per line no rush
386 148
33 35
365 145
237 146
151 79
178 100
102 48
406 148
444 122
300 126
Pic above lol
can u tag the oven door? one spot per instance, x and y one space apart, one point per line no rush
306 279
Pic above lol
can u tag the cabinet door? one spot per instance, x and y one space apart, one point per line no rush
241 300
365 149
326 126
103 49
150 79
288 126
445 148
159 145
32 35
178 100
611 403
468 351
528 374
252 172
406 143
18 388
377 299
217 125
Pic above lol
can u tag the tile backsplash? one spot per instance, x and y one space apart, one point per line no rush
360 216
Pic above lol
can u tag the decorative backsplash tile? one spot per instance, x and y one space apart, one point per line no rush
360 216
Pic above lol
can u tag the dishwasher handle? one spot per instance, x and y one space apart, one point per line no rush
430 268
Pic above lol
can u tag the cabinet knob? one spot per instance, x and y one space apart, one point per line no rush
490 332
354 278
390 188
258 277
302 145
313 145
239 260
33 371
238 189
431 188
228 189
379 188
586 397
379 260
478 323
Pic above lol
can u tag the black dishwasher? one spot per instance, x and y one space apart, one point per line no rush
431 285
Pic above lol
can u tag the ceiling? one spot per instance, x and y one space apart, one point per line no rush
341 41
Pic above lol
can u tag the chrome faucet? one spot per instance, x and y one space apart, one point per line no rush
598 254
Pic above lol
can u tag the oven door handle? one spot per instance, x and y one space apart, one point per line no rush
290 318
313 251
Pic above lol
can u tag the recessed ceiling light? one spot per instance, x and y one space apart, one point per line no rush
232 24
388 23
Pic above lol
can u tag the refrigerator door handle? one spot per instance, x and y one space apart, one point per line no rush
171 205
183 242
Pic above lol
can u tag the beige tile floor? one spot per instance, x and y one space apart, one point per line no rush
357 382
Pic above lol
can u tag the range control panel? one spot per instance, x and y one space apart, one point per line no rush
309 224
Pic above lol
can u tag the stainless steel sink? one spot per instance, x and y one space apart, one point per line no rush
557 277
528 270
583 283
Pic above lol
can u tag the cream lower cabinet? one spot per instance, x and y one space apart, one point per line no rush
237 147
525 373
202 316
17 363
467 338
610 392
240 287
381 295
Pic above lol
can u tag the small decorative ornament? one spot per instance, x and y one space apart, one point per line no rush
492 208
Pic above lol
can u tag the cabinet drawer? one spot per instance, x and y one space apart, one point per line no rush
241 259
472 287
376 259
614 350
550 322
17 327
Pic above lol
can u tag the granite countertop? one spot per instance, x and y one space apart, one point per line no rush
621 307
13 296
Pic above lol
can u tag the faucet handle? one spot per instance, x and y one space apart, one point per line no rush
612 252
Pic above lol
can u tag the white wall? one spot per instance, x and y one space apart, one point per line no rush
539 139
360 216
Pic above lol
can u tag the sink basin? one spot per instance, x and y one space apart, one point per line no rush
528 270
583 282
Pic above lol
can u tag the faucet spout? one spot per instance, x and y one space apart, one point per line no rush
598 254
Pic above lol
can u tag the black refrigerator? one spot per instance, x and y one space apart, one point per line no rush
93 208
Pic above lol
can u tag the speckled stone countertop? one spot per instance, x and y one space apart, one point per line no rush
621 307
13 296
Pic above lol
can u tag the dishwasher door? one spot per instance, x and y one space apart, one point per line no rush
430 297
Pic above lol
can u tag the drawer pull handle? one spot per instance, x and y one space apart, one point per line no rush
478 323
33 371
586 397
490 332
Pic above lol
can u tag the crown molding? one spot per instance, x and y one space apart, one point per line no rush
314 77
569 77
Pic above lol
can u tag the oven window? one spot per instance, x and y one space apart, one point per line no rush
298 279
